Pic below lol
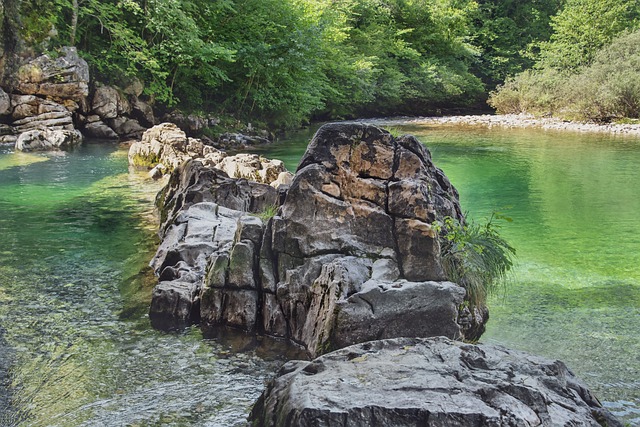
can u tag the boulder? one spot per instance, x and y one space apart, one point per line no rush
125 127
96 128
355 255
63 77
192 124
428 381
143 112
109 102
47 139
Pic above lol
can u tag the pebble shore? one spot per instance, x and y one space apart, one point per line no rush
515 121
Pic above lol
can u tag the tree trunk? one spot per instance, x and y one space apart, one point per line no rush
74 22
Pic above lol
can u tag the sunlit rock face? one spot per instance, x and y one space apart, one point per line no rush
350 256
428 381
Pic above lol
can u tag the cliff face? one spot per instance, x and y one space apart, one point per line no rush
350 255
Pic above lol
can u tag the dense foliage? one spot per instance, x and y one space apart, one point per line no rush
286 62
589 68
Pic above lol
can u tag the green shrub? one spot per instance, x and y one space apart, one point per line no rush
538 92
475 256
609 88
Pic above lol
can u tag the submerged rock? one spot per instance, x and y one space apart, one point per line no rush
428 381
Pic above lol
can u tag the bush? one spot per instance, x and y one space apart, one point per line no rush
537 92
609 88
475 256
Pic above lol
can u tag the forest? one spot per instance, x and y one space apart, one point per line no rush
288 62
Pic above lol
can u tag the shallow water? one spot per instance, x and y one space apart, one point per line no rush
574 199
76 231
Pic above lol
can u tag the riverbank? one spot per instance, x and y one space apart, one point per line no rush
513 121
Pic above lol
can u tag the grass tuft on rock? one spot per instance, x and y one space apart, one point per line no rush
475 256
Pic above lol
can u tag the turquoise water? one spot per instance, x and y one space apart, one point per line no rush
574 199
76 232
77 229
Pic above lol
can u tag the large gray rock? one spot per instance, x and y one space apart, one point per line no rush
207 227
198 232
63 77
350 255
46 140
96 128
109 102
428 382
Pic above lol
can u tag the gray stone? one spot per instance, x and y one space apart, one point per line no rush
46 140
108 103
143 112
428 381
125 127
99 130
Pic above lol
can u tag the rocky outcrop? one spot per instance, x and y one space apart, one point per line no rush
350 255
64 77
46 93
204 214
433 381
165 146
31 112
114 113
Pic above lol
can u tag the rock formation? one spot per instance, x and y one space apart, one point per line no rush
164 147
65 77
432 381
350 255
46 92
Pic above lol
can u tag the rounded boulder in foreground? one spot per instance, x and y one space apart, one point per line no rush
428 382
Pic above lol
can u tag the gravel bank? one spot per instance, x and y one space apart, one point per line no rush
515 121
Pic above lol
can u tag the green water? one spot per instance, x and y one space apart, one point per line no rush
76 347
77 229
575 203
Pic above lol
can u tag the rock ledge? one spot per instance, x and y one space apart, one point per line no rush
428 381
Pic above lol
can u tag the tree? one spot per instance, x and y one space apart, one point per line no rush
585 26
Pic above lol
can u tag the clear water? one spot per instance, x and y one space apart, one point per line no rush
76 232
574 294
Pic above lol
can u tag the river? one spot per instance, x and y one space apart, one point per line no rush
77 229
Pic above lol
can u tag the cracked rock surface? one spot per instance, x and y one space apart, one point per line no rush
350 255
428 381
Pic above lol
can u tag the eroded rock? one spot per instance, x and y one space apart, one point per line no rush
168 145
428 381
63 77
45 140
349 256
